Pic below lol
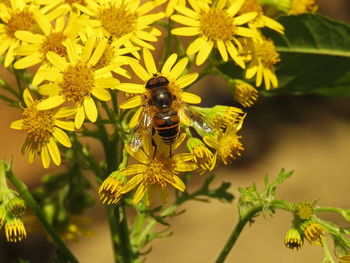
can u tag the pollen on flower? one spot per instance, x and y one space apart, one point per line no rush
216 24
202 156
118 20
77 83
53 42
230 147
38 124
159 171
23 20
229 117
266 51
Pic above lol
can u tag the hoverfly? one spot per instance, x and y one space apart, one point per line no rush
162 113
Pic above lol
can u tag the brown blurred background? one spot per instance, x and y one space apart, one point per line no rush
307 134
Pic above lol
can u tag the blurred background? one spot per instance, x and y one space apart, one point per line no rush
307 134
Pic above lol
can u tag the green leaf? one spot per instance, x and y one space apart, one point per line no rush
315 56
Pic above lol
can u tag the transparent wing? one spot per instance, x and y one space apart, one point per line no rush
196 119
142 130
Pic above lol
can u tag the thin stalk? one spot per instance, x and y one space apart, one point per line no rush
123 233
236 232
23 191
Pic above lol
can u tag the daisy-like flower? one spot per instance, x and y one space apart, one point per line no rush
245 94
202 156
110 190
226 143
172 72
77 80
42 127
263 56
125 19
16 16
260 20
313 232
51 39
302 6
14 229
154 174
293 239
216 26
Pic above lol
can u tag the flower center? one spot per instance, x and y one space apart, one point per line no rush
251 6
53 43
38 124
106 57
267 53
230 146
77 83
160 172
216 24
23 20
118 21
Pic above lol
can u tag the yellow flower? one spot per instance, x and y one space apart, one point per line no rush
117 19
41 128
263 56
260 20
215 25
245 94
302 6
293 239
171 72
154 174
227 143
77 80
313 232
52 39
304 210
14 229
202 156
17 16
110 190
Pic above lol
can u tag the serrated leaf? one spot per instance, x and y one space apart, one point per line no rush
315 56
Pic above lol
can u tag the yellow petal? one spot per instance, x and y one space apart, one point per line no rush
242 19
62 137
186 31
106 83
45 157
89 46
190 98
133 169
54 152
234 54
135 118
246 32
178 184
101 94
131 88
67 125
49 75
195 46
144 35
204 52
26 50
65 112
139 155
28 99
186 11
43 22
179 67
149 62
140 192
101 46
169 64
79 117
28 61
31 156
140 72
51 102
185 20
131 103
186 80
211 142
234 8
72 54
132 183
49 89
29 37
17 125
90 109
222 49
56 60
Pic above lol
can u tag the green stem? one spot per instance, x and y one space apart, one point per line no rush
123 231
23 191
236 232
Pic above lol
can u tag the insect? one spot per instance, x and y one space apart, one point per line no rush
161 114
